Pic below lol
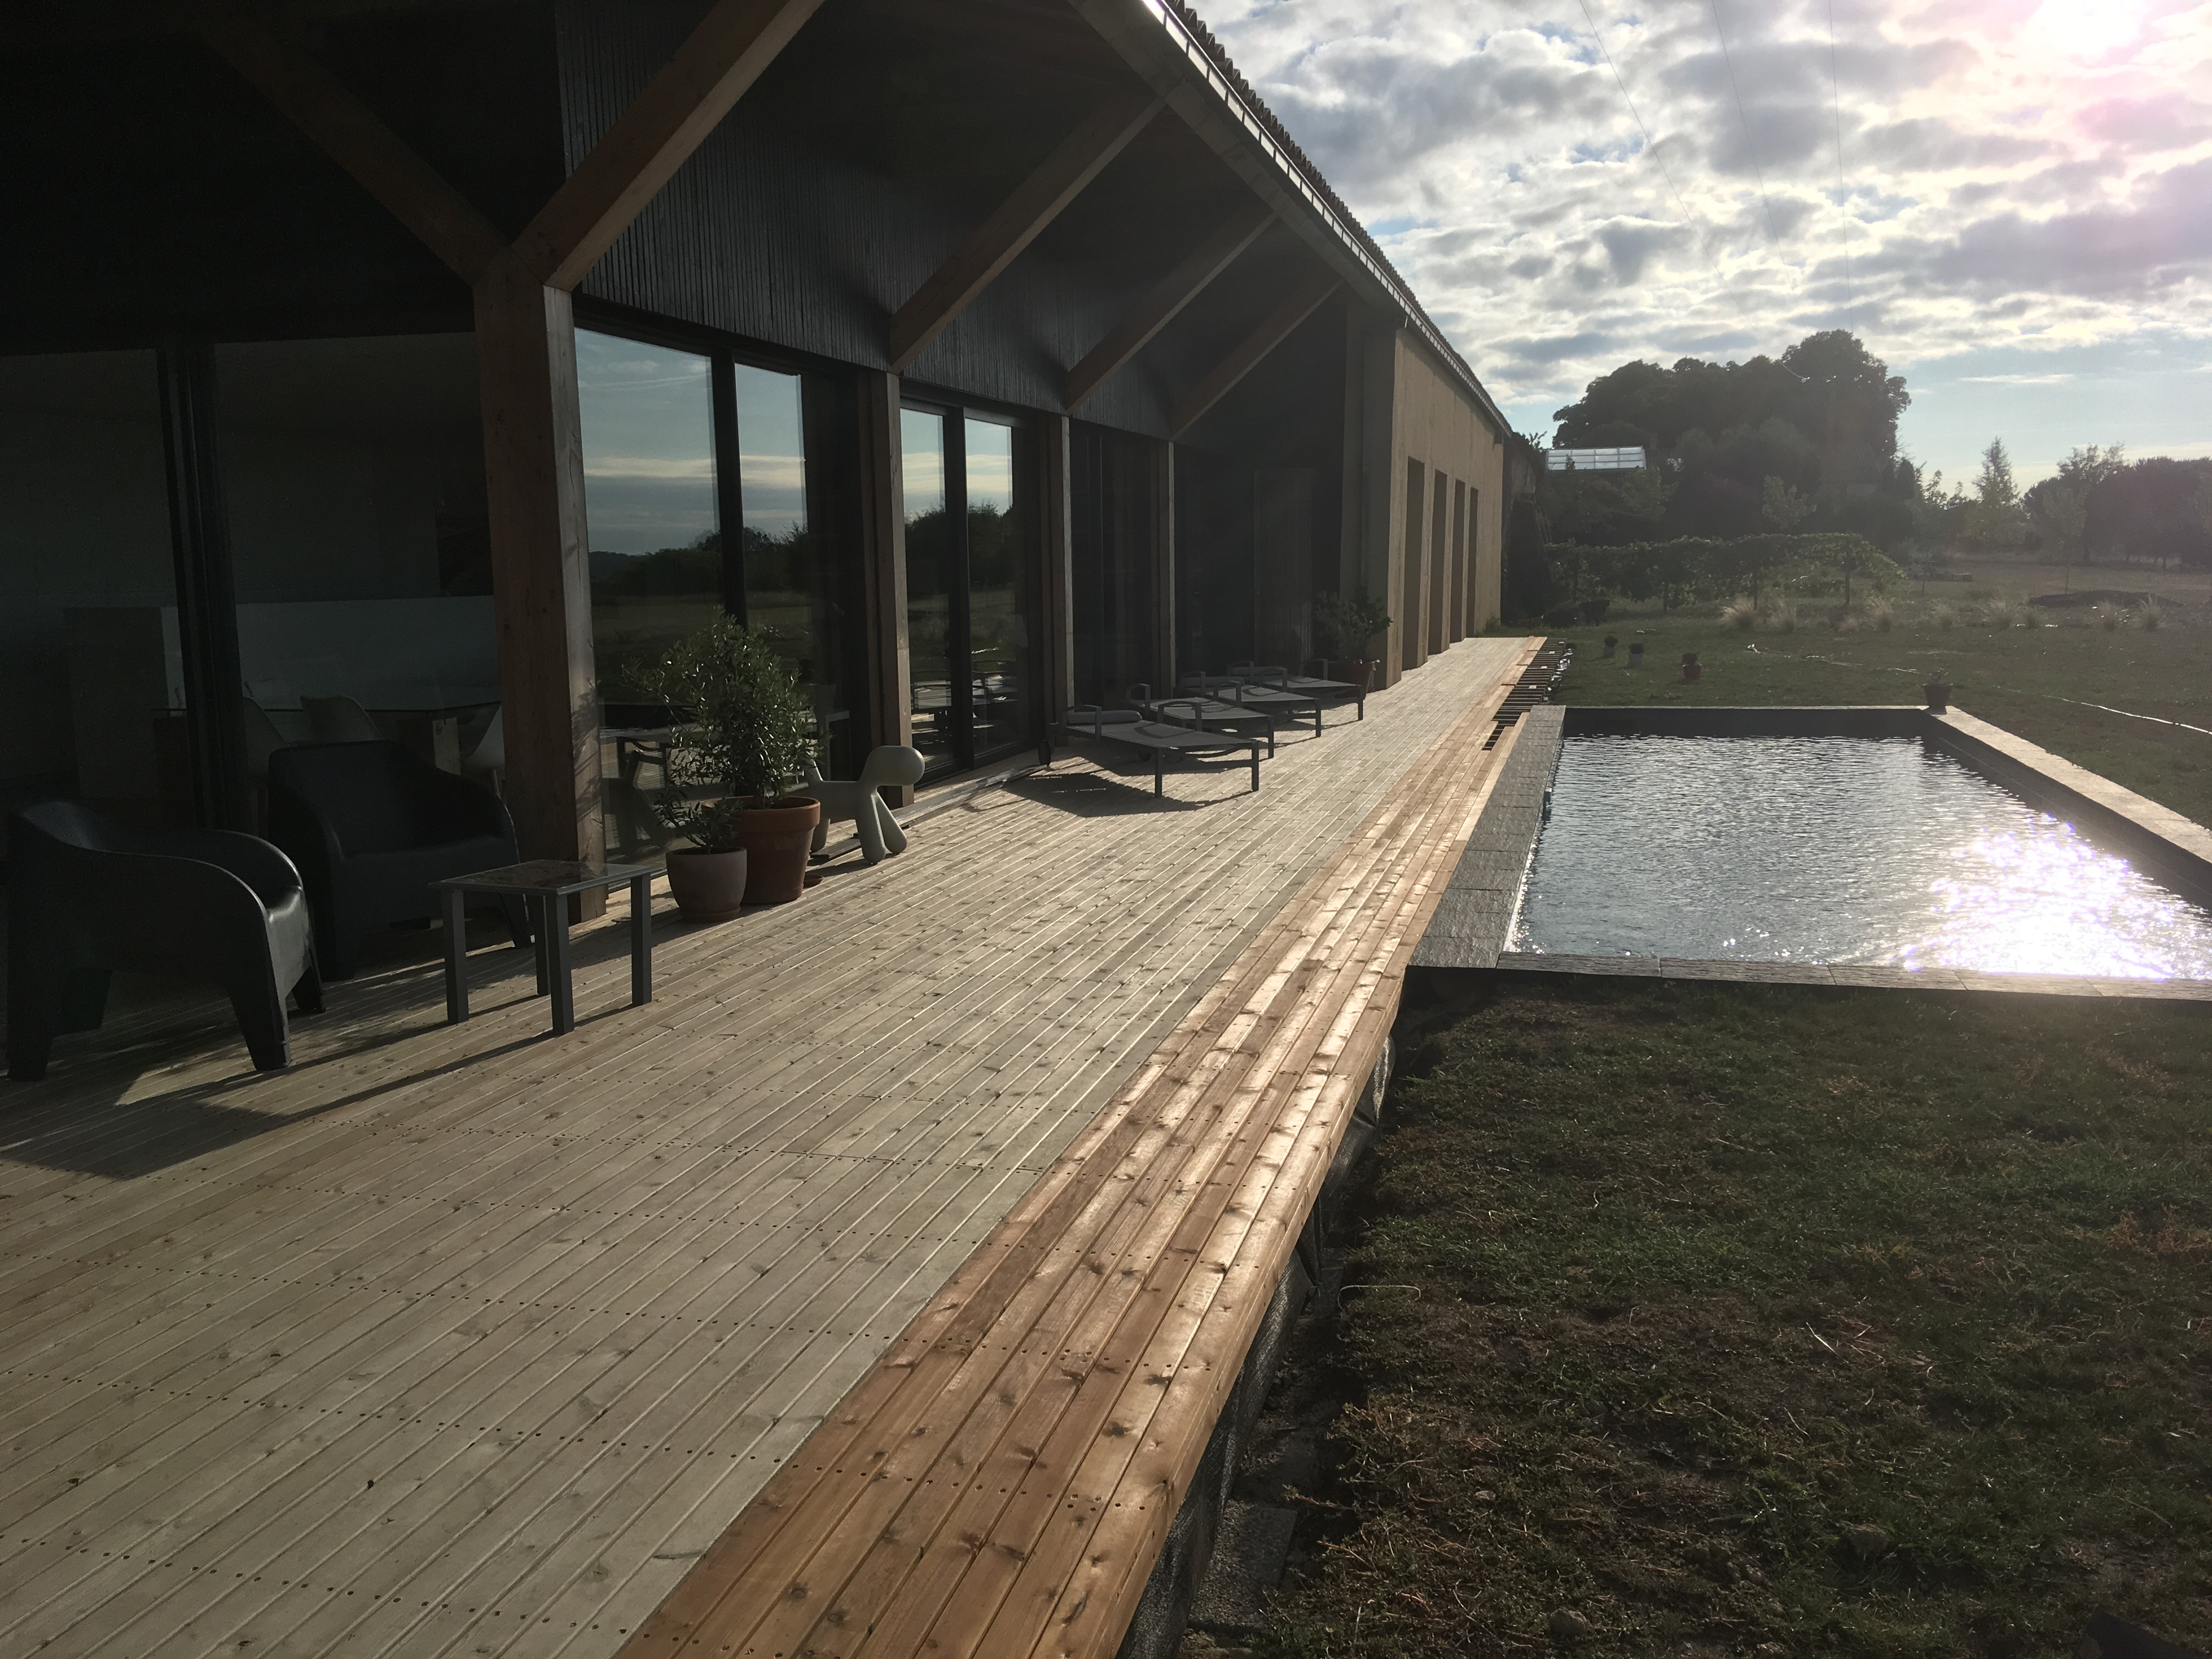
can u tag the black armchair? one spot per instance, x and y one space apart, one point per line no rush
371 825
88 895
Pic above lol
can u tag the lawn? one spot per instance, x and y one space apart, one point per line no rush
2034 680
1757 1320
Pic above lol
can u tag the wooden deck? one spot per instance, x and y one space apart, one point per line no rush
464 1340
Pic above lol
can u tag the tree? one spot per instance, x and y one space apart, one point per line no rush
1822 418
2059 506
1783 507
1995 519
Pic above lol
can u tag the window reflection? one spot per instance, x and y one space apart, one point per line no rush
88 602
361 544
656 552
999 678
929 555
791 587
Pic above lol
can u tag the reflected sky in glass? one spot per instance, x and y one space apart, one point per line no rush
772 451
990 466
649 430
1845 851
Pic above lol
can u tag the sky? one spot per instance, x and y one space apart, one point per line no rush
2010 202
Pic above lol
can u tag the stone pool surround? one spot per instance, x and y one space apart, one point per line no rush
1469 934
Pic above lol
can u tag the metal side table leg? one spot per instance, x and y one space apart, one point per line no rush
641 938
540 911
456 957
564 1004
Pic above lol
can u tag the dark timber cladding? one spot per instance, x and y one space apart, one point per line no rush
996 356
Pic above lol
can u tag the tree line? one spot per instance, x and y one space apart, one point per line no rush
1806 444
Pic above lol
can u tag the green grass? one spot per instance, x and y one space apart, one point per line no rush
2017 677
1674 1285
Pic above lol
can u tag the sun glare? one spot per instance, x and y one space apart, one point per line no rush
2084 31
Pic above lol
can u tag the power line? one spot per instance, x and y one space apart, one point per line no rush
1649 148
1758 171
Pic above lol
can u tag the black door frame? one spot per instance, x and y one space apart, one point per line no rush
959 621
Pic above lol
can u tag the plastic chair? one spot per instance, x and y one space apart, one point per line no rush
489 758
339 720
857 799
89 895
371 825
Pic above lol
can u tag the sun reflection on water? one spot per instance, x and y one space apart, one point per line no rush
1845 851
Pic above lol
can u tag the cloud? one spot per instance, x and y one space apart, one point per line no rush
1939 179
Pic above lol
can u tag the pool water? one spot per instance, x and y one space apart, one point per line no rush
1834 850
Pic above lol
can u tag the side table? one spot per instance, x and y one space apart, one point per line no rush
544 885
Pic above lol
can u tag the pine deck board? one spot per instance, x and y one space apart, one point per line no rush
577 1301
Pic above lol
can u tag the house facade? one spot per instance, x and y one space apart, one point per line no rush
441 362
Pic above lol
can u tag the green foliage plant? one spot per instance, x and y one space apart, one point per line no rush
750 735
1343 624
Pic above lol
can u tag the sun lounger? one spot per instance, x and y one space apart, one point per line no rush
1157 738
1203 713
1228 688
1307 684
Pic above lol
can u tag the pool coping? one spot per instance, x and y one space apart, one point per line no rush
1474 917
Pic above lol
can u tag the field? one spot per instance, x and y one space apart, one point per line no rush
2035 670
1695 1320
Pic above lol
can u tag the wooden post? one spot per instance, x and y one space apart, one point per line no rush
1163 568
882 479
1412 588
1460 573
1057 664
541 566
1439 569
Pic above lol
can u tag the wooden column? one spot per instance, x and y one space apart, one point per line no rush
1163 568
1462 574
1412 585
1439 569
882 480
541 564
1057 522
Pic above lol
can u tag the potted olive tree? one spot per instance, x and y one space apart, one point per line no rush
752 733
1344 628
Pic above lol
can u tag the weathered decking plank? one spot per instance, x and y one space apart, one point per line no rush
569 1304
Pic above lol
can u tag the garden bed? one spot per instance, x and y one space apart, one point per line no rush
1695 1319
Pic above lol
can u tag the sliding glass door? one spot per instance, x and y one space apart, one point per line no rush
972 588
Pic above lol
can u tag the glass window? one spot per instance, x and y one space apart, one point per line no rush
657 567
790 585
91 675
1001 584
361 547
929 572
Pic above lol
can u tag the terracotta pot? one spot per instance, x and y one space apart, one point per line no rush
1353 670
1939 694
777 838
1691 668
706 886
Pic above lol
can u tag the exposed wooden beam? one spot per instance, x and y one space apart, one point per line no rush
657 134
1168 296
356 138
1305 300
1035 203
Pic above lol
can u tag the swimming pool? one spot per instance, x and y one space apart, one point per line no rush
1836 850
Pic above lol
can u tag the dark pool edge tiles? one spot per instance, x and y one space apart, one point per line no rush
1882 979
1475 913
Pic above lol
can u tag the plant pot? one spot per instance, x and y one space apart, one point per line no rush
1352 670
777 838
706 886
1939 696
1636 655
1691 669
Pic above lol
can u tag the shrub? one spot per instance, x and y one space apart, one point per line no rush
1741 613
1881 614
1945 616
2150 617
